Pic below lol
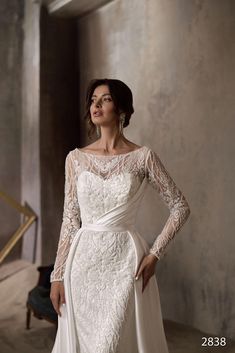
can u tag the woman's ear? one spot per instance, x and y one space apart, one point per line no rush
120 111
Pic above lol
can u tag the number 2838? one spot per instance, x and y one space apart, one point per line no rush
214 341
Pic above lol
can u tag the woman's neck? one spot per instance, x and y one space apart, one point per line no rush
110 140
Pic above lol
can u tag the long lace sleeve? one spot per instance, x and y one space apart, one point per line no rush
70 222
159 179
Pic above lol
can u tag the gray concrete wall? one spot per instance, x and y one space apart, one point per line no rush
178 58
59 121
40 121
30 146
11 42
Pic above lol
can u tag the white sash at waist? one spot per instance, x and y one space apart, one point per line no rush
108 228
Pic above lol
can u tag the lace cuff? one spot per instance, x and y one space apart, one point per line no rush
70 222
159 179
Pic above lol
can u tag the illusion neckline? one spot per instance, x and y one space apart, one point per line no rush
113 155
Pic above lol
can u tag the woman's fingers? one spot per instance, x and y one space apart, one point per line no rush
146 278
58 310
62 295
146 268
57 296
56 304
139 269
139 272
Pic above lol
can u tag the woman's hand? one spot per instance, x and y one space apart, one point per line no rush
146 268
57 295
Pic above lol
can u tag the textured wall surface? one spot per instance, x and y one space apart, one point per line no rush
59 121
11 42
49 124
39 120
178 59
30 146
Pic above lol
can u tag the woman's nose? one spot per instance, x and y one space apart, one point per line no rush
98 103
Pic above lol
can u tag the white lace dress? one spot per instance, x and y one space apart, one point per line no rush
99 251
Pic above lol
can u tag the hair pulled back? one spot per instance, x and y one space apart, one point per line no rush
121 95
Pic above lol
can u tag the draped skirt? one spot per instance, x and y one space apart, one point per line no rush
105 310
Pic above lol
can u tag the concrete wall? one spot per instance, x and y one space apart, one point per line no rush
11 42
50 124
178 59
30 146
59 120
39 121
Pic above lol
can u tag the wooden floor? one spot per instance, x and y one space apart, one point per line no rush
14 338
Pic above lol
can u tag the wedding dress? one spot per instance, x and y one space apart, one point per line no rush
105 309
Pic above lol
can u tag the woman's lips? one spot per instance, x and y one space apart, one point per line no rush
97 114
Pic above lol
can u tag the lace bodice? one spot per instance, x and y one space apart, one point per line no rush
94 184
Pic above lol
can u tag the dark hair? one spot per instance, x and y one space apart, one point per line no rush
121 95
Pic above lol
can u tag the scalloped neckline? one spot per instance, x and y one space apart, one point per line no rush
113 155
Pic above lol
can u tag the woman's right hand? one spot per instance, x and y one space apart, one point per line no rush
57 295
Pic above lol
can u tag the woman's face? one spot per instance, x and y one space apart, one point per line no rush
102 108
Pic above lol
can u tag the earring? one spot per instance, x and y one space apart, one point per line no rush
121 122
98 130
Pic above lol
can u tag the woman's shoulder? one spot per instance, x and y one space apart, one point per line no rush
88 148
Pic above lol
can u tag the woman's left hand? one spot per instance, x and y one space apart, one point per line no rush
146 268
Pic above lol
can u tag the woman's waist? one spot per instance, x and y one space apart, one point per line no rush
122 227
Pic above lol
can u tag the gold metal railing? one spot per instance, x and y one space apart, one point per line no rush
29 218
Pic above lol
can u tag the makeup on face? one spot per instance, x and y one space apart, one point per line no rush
98 103
106 97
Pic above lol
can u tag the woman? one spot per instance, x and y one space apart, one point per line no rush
104 269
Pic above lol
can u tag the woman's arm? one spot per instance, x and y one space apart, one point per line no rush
70 222
159 179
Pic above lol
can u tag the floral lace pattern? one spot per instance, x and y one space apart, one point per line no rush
96 183
102 277
172 196
70 223
97 195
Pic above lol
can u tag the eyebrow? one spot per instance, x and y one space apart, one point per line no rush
105 94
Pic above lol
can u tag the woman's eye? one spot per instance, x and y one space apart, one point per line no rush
104 100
